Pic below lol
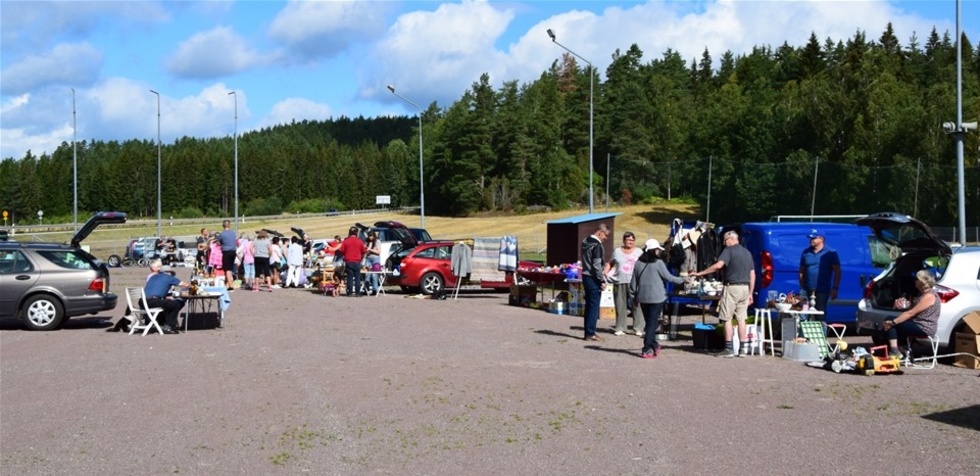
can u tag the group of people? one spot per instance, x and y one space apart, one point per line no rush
640 278
264 262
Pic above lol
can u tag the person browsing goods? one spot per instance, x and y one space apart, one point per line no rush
157 290
353 250
229 248
625 257
739 286
592 278
819 271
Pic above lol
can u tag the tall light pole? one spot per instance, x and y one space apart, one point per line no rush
236 159
421 173
591 81
159 145
74 163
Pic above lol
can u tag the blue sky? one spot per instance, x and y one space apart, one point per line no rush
318 60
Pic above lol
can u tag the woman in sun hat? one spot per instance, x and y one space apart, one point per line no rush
648 286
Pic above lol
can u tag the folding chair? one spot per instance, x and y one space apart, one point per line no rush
815 333
838 330
932 359
140 312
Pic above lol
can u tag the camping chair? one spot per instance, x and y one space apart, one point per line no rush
139 312
933 345
815 333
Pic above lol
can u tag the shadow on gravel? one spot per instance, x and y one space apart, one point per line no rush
92 322
549 332
966 417
629 352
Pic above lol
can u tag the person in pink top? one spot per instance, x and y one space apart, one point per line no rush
353 250
214 259
246 252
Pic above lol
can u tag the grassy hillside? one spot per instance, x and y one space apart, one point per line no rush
646 221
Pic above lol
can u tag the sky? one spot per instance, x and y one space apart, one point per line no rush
303 60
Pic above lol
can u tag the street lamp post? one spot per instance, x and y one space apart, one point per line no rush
159 145
74 163
233 93
421 173
591 81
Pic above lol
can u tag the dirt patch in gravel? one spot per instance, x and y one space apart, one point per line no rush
302 383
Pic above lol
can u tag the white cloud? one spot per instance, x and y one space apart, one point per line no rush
439 54
116 109
311 30
25 26
215 53
76 64
295 109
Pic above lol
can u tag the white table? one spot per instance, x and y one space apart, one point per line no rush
381 280
763 319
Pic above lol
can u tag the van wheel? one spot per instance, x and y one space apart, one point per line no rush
42 312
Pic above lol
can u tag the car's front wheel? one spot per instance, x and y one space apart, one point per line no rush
42 312
431 282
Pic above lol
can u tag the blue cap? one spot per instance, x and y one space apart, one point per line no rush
815 233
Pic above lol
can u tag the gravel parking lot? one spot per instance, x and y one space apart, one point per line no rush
302 383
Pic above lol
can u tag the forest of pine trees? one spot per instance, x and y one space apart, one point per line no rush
860 118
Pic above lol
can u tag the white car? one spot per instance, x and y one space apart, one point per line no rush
916 248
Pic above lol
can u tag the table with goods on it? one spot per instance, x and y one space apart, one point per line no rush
703 293
556 289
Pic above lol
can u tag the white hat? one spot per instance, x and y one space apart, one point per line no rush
652 244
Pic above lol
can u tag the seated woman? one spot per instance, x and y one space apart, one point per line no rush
918 320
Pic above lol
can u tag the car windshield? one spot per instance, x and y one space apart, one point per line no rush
68 259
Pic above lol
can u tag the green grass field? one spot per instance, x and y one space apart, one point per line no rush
646 221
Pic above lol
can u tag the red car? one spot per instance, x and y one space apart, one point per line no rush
427 267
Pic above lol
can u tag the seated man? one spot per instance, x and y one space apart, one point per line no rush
157 291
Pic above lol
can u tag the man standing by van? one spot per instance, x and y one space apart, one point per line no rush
819 271
737 296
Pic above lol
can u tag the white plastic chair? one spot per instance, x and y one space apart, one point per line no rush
139 312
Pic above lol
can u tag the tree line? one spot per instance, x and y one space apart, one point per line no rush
829 126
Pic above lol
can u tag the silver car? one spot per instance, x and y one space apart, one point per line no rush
46 283
916 247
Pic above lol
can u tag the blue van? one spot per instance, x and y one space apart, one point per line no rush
776 248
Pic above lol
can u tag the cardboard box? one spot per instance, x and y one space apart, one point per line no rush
970 344
972 321
522 295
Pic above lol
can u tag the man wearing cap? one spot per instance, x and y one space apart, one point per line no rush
819 270
739 286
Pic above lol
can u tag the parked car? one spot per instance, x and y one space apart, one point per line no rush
46 283
776 248
917 247
427 267
420 234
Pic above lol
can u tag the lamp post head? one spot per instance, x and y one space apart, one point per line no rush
551 34
391 88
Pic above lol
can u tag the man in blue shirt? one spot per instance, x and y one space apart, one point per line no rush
157 290
819 270
229 246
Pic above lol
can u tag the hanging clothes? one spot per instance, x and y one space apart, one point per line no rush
508 254
461 261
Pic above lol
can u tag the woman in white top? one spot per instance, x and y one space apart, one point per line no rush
625 257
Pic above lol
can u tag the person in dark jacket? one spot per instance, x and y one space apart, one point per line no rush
648 285
593 279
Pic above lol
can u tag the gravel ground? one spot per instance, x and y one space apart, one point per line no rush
302 383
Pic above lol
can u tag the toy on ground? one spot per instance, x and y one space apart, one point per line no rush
879 361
